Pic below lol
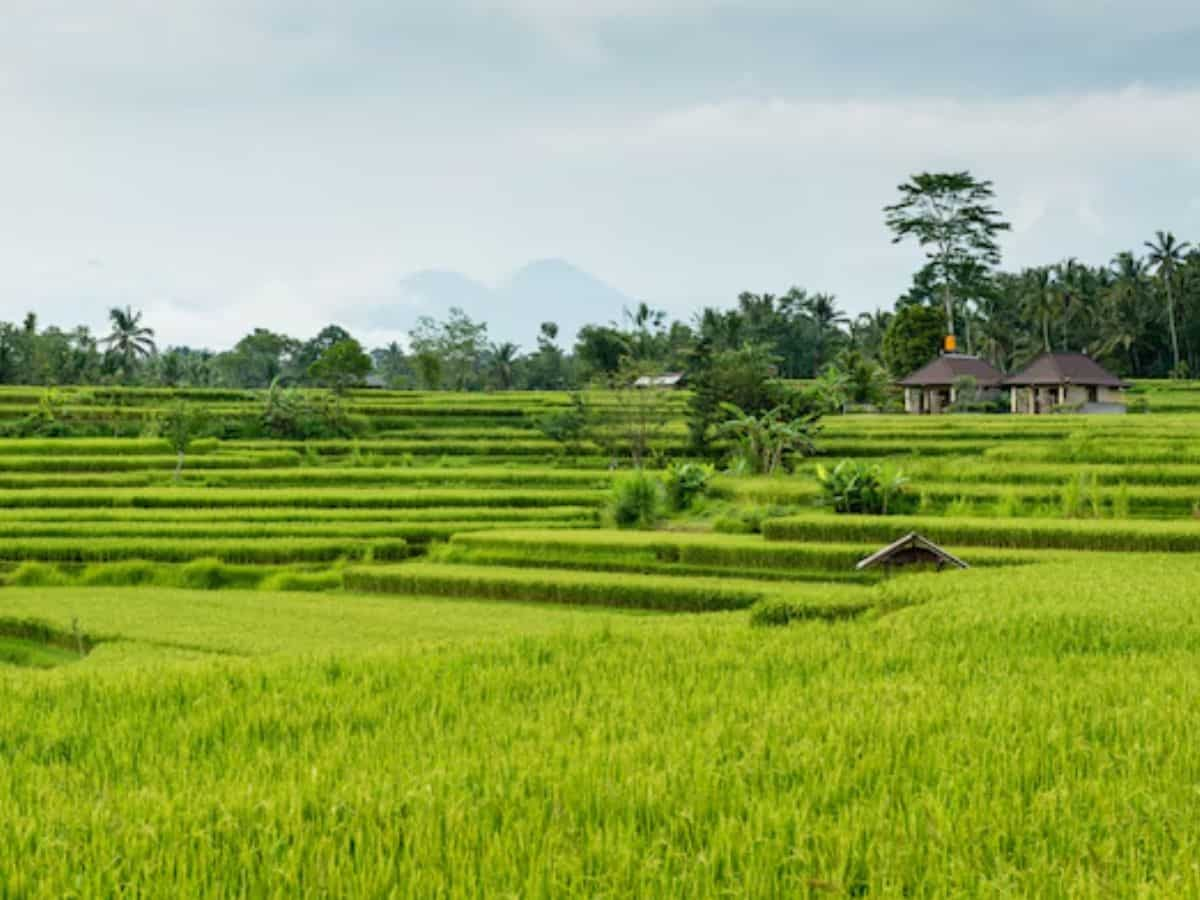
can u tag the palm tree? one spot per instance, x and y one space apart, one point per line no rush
868 329
1166 255
1126 314
129 339
823 310
503 357
1067 276
1040 300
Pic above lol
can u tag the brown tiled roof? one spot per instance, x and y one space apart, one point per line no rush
949 367
1065 368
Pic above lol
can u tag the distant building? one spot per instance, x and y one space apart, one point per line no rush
669 380
931 389
1070 380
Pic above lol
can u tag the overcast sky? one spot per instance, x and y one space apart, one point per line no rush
225 164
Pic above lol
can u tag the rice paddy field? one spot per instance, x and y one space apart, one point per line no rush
423 663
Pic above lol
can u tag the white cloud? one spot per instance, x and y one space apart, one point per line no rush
239 163
1135 121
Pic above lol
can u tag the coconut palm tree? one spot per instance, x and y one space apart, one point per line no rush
130 340
1040 300
501 363
823 310
1067 277
1166 255
1127 316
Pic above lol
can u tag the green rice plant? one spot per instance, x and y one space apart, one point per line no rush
37 574
1008 505
204 575
748 519
585 588
1079 534
1119 500
264 551
1080 499
775 611
314 498
120 574
303 581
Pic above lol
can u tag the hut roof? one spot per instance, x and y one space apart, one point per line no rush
1065 368
911 541
670 379
949 367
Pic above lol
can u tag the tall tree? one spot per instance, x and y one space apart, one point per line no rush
341 366
1166 256
501 361
450 351
951 217
129 339
1040 301
912 338
829 320
1126 312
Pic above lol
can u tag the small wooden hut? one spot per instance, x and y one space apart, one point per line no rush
912 550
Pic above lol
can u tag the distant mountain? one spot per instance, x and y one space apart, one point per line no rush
549 290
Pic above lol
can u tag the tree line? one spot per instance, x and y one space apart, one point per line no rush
1139 314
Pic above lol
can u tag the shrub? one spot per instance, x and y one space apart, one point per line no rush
685 482
853 486
637 501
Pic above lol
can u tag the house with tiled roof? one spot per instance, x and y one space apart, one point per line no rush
1066 381
933 388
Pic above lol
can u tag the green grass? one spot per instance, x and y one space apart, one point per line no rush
277 703
31 654
633 591
1096 534
994 734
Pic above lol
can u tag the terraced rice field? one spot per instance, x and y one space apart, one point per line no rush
422 662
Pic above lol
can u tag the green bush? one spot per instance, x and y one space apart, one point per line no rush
637 501
685 483
854 486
